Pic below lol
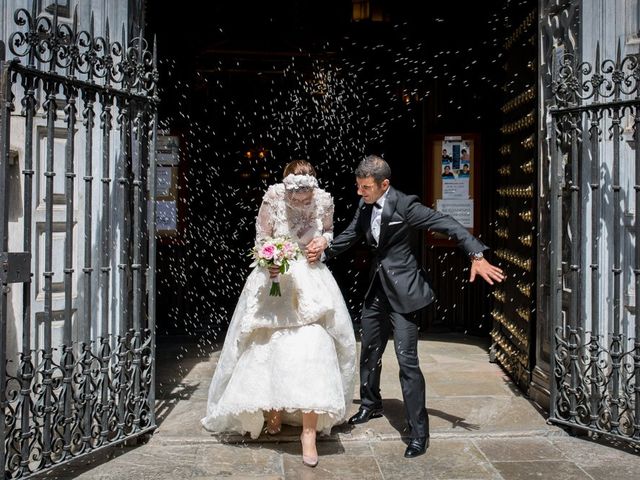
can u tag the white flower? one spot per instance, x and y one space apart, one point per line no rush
296 182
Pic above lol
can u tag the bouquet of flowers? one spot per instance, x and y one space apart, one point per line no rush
275 252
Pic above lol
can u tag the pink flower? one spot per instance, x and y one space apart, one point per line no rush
289 250
267 251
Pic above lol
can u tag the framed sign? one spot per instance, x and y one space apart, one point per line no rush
168 214
451 183
168 149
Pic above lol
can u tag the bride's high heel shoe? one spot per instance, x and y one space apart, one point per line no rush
274 424
308 460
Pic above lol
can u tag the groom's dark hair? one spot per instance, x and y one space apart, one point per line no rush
374 166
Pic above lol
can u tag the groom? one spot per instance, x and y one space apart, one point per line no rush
398 288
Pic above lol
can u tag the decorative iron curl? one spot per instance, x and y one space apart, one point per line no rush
576 83
88 49
592 391
595 374
561 351
595 124
29 101
561 356
565 84
34 42
140 66
624 75
87 373
568 126
120 64
11 390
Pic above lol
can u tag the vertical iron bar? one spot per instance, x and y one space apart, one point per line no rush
26 365
636 272
88 113
574 316
594 349
138 209
5 121
137 215
89 97
106 99
136 267
616 339
50 107
105 268
152 259
68 360
124 123
557 182
123 181
90 391
70 110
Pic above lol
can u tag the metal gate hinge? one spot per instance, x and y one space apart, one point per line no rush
15 267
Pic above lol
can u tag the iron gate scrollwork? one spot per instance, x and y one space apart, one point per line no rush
89 383
594 245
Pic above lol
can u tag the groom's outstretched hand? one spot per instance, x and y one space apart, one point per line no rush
314 249
487 271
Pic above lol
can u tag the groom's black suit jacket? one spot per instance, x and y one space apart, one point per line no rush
401 276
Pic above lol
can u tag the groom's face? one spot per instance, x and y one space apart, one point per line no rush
370 190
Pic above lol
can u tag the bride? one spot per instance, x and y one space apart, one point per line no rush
287 359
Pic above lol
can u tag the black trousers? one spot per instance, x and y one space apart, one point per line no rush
378 319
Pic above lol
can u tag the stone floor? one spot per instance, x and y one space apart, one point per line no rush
482 427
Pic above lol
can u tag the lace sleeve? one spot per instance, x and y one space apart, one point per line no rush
327 217
265 218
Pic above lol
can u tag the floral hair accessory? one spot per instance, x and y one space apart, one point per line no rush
297 182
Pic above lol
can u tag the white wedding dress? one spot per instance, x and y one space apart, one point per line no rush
294 353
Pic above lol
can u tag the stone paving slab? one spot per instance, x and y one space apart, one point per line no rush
518 449
451 459
589 453
552 469
242 460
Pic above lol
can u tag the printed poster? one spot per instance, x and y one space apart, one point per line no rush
461 210
456 168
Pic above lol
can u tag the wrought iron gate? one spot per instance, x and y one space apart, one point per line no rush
77 304
595 256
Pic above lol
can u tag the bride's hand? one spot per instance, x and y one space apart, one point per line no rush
315 248
274 271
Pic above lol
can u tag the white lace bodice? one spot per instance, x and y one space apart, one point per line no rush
278 218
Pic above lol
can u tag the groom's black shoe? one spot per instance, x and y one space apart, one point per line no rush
417 446
364 415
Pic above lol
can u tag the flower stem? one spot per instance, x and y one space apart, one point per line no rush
275 289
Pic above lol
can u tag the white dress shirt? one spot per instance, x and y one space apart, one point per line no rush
376 216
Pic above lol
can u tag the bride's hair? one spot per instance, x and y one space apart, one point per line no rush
299 167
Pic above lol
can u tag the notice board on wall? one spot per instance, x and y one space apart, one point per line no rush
452 167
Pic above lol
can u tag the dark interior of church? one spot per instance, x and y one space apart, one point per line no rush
248 86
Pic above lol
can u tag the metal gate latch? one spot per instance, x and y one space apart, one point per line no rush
15 267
